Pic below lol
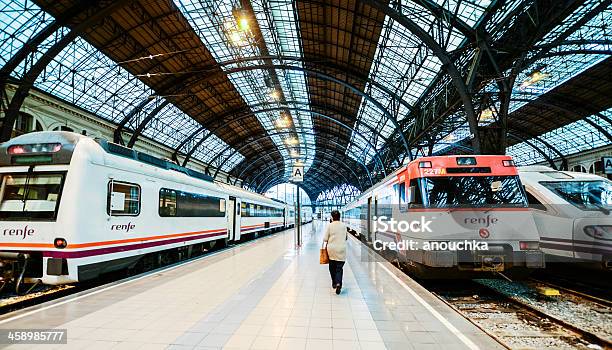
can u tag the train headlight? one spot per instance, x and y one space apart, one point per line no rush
508 163
529 245
599 231
60 243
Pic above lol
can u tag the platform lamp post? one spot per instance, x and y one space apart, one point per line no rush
297 176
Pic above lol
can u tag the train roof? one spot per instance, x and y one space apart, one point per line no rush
69 140
244 194
544 173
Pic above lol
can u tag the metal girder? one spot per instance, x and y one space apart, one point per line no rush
290 133
32 74
446 15
117 138
576 52
447 64
145 121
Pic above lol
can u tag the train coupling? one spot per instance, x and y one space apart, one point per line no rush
492 263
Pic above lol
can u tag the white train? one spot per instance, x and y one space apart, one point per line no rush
572 213
446 211
72 208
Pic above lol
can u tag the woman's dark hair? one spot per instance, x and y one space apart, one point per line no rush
335 215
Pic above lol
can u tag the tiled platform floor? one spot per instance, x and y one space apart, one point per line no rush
262 295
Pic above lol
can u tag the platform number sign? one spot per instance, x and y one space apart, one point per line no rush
297 175
607 164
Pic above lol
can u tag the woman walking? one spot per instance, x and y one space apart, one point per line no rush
335 237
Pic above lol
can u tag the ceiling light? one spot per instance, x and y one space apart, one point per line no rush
283 122
486 115
534 77
274 94
243 24
292 141
242 18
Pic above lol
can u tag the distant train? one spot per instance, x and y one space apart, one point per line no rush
468 201
72 208
572 213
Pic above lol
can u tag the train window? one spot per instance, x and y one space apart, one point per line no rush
123 199
167 202
186 204
243 209
31 196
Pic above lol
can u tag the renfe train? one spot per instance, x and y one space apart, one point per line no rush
466 203
572 212
72 208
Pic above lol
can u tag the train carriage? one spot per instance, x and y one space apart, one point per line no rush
72 207
572 213
450 206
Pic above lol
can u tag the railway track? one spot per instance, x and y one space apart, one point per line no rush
502 310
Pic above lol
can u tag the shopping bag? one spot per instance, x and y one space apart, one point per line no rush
323 256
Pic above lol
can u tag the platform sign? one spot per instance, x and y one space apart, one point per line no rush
607 165
297 175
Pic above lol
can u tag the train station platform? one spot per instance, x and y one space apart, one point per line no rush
264 294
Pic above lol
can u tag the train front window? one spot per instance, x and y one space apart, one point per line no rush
32 196
472 191
586 195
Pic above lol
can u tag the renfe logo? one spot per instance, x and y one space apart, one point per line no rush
125 227
486 221
23 232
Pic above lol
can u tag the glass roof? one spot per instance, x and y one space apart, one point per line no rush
406 66
217 26
83 76
572 138
338 196
19 20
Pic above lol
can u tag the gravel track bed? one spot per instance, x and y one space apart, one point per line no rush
579 312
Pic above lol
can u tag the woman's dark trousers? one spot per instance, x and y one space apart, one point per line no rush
335 271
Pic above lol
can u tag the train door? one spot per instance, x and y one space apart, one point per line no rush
374 216
369 220
234 219
237 218
284 217
231 217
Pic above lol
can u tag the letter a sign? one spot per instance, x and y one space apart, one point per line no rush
607 164
297 174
